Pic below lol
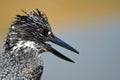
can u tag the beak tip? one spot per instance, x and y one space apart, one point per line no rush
73 62
76 51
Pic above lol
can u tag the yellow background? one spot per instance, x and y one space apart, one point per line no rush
59 11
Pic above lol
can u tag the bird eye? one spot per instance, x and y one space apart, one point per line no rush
44 32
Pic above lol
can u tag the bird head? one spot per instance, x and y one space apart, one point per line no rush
35 27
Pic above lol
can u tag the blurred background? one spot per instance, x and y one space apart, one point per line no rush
90 26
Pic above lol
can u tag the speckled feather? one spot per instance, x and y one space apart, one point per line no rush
25 41
21 59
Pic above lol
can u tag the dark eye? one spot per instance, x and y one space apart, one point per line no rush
44 32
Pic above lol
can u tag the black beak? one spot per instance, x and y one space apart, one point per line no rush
59 42
63 44
58 54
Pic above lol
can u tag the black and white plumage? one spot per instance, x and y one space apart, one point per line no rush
26 40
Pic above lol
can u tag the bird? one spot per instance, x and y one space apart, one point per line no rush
26 40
